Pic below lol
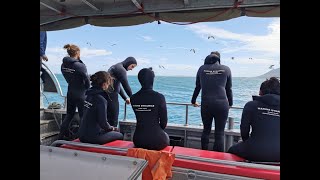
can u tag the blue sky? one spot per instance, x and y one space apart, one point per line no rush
254 44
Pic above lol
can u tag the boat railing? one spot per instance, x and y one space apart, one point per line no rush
230 120
207 160
54 78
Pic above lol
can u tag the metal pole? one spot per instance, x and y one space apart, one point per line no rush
229 139
125 111
231 123
186 123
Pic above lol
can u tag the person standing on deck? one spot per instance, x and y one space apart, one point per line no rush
216 98
119 73
75 73
263 116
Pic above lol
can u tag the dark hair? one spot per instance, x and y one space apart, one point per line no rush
71 49
270 86
216 53
100 77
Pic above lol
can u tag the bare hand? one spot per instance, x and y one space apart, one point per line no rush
44 57
196 104
128 101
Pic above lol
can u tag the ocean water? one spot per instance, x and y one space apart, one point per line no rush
179 90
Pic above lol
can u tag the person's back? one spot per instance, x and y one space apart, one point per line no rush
213 79
215 82
75 73
150 109
263 115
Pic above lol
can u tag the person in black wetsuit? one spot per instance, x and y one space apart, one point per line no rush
94 126
215 81
119 73
75 73
150 109
263 115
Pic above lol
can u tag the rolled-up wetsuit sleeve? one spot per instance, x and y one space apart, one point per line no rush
197 88
163 112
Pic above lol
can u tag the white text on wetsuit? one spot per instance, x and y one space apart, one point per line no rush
270 112
143 107
213 72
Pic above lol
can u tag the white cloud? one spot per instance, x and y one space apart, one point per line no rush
269 43
147 38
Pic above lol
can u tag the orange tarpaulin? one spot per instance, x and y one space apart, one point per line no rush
159 163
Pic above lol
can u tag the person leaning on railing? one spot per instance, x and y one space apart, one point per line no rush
215 81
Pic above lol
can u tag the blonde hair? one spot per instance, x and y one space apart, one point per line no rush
71 49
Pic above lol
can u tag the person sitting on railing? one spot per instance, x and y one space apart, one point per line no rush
119 73
215 81
94 127
75 73
263 115
150 109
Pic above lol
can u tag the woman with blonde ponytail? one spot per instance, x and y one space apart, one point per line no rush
75 73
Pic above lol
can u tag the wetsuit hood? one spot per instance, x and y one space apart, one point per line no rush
211 59
94 90
146 78
127 62
69 60
269 99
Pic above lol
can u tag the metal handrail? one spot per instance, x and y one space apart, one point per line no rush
217 161
230 120
55 80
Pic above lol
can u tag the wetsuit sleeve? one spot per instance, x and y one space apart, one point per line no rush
43 43
229 89
196 89
102 117
122 94
246 119
84 74
163 112
124 82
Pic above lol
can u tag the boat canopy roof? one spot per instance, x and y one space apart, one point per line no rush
66 14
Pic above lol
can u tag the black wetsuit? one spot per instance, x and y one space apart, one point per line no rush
94 126
215 81
119 72
263 144
150 109
75 73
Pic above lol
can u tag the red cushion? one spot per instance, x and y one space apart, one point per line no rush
206 154
219 168
116 143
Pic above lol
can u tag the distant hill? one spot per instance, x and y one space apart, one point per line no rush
272 73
